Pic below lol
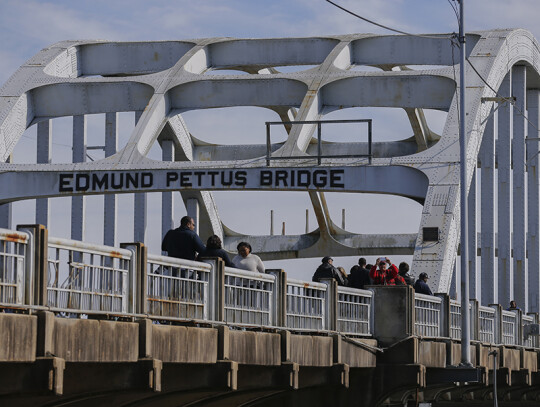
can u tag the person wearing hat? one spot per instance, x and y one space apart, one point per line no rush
421 286
327 270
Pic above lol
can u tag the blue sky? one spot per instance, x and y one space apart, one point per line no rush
26 26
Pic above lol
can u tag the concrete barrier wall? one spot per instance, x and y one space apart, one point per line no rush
509 358
255 348
18 337
355 355
454 354
309 350
184 344
529 360
85 340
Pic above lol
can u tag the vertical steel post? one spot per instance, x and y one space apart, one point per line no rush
533 198
488 264
307 221
504 196
44 155
79 156
268 145
519 201
139 206
319 146
271 222
167 198
474 275
110 200
370 153
465 317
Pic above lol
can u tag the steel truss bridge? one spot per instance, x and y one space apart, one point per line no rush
159 81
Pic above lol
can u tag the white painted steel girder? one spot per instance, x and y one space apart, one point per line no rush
163 79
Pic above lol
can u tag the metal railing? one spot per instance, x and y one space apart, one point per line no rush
354 311
248 297
87 277
529 341
455 319
13 249
428 315
509 326
306 305
177 287
486 324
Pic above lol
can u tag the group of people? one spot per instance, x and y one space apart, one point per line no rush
184 243
383 272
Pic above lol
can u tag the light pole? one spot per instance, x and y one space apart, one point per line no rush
465 316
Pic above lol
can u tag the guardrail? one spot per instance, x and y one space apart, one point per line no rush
87 277
486 324
177 288
530 341
428 315
13 250
78 278
306 305
248 297
354 311
509 327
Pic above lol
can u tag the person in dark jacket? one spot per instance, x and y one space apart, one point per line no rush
404 272
327 270
359 276
183 242
214 249
421 286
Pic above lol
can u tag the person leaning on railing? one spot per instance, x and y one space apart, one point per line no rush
245 260
327 270
421 286
214 249
384 275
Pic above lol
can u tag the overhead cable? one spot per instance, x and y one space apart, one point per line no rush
384 26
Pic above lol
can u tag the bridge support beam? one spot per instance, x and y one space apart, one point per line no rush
533 199
44 156
519 91
488 264
110 200
139 206
167 198
79 156
504 196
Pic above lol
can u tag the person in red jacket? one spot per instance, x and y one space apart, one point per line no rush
384 275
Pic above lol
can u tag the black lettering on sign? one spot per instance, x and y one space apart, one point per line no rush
226 181
132 179
336 178
98 183
266 178
240 178
281 175
213 177
65 183
319 178
185 179
147 179
304 178
199 175
171 177
117 180
82 182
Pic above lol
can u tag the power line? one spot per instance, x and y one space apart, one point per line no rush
384 26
